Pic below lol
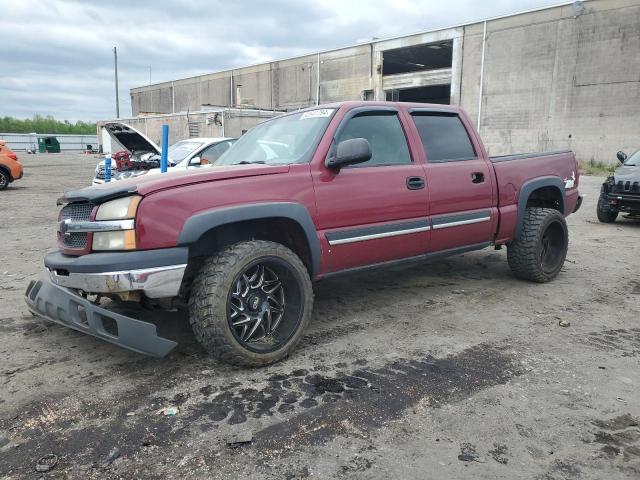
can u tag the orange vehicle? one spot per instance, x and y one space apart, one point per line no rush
10 167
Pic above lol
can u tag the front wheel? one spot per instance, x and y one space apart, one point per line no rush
539 252
604 211
4 179
250 303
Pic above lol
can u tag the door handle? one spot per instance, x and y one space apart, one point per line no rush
415 183
477 177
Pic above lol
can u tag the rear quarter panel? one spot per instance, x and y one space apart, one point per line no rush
513 174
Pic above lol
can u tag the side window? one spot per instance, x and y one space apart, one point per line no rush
213 153
385 135
444 137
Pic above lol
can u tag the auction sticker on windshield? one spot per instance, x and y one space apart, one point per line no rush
322 112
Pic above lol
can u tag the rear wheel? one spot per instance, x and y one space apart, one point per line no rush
605 213
539 253
250 303
4 179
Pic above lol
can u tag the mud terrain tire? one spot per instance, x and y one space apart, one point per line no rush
605 214
218 294
539 253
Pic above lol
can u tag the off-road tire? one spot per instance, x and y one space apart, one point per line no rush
525 255
211 288
5 179
605 214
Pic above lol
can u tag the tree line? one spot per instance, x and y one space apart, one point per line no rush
45 124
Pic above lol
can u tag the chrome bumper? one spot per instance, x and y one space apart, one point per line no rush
158 282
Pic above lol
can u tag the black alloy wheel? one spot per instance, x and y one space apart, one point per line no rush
263 308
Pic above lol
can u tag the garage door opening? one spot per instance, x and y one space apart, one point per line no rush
431 56
431 94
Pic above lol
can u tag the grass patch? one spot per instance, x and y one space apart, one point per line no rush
596 168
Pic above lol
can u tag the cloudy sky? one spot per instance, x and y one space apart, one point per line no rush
56 55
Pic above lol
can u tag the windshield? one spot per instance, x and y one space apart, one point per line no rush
179 151
633 160
281 141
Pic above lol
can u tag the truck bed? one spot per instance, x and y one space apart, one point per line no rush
519 174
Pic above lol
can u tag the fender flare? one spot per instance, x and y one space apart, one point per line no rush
202 222
528 188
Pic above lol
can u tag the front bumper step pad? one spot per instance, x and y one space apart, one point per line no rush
63 306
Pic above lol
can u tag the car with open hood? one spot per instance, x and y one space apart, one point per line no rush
621 191
144 154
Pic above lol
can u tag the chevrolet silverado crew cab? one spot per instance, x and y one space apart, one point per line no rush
302 197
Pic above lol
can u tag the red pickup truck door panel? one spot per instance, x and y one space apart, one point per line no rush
460 182
375 211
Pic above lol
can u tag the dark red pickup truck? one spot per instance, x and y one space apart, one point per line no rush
305 196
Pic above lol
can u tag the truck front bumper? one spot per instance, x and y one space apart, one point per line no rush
65 307
623 202
156 273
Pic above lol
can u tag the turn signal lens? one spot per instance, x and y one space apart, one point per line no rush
121 240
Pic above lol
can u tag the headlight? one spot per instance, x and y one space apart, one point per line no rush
120 209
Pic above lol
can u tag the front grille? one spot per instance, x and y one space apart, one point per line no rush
628 187
76 211
75 240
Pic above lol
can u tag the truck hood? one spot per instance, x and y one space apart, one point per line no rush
627 174
147 184
130 138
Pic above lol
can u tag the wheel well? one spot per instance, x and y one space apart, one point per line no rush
546 197
275 229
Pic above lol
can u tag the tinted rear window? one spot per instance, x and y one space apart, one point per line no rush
444 137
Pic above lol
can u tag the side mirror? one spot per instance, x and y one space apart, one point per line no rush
621 156
195 161
349 152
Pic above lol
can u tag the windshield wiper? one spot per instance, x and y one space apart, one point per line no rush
245 162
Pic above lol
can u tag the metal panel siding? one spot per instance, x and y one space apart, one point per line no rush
19 142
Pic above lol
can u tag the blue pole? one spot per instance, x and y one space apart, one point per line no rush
165 147
107 168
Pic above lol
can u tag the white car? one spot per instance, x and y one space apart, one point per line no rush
185 154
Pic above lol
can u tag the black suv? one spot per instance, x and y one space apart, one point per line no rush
621 191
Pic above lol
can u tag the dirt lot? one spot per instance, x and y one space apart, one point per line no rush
447 370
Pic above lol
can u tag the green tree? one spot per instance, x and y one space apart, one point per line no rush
48 124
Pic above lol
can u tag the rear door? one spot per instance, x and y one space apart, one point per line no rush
375 211
459 180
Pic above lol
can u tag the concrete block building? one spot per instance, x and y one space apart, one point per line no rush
563 77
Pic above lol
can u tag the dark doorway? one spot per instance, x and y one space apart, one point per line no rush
432 94
418 58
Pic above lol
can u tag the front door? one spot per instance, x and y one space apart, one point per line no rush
459 180
375 211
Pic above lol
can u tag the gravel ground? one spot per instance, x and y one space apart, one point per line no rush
448 370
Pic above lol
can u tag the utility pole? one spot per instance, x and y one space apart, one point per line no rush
115 63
